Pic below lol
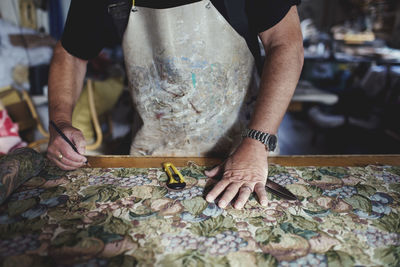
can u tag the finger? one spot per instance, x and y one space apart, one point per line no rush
228 195
214 172
261 193
209 186
60 164
77 138
66 150
244 194
68 162
53 152
218 189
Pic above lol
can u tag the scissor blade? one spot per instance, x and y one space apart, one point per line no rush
279 190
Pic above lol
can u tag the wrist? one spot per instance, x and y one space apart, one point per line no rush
60 115
267 139
254 145
61 122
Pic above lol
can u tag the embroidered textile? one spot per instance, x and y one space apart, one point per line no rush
345 216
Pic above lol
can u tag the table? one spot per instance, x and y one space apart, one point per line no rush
119 213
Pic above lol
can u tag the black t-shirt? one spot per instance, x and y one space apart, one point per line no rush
89 27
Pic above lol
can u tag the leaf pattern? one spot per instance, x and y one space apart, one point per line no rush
345 216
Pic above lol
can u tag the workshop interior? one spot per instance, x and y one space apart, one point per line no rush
346 102
331 189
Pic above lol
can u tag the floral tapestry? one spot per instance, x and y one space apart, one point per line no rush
345 216
16 168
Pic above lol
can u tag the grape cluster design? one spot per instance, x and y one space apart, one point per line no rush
376 238
134 180
309 260
185 194
27 194
18 245
342 192
389 177
381 198
283 179
221 244
126 203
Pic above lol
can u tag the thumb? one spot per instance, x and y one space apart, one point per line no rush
214 172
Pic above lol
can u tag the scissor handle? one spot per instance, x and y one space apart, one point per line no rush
175 177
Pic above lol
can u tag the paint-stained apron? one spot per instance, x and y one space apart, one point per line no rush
192 78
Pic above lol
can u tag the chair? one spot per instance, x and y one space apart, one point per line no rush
22 111
93 116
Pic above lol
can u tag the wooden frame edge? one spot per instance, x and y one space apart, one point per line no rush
317 160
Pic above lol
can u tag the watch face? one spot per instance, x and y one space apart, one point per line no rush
272 142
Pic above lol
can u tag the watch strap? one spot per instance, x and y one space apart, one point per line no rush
269 140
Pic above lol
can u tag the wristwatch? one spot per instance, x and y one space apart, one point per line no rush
269 140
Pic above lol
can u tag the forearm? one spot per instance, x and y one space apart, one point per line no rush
65 84
283 45
280 75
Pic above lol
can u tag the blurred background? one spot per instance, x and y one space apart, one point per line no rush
347 100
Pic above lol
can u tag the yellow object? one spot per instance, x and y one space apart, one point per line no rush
133 2
34 114
104 95
176 180
27 10
359 38
10 96
8 87
21 74
95 119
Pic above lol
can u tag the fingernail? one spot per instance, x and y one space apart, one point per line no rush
222 204
264 203
238 207
211 168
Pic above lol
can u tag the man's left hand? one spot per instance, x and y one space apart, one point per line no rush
244 172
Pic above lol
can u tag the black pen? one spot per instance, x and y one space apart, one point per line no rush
65 138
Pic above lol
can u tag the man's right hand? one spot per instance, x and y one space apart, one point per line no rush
61 153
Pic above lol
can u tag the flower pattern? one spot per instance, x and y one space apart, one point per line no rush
345 216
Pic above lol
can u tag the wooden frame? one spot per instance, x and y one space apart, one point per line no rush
320 160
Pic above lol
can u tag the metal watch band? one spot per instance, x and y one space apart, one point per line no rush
269 140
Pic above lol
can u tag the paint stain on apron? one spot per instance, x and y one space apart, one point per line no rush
193 81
